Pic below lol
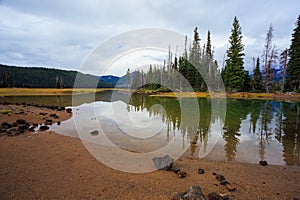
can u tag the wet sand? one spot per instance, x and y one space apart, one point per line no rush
50 166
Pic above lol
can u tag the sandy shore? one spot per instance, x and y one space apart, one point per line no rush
51 166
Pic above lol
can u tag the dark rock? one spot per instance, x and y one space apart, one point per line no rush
214 173
263 162
181 174
20 131
230 187
175 169
35 124
177 196
55 116
10 130
94 133
44 128
48 121
14 124
58 123
220 177
225 197
69 110
224 182
21 121
193 193
6 125
23 127
42 113
163 163
60 108
200 171
214 196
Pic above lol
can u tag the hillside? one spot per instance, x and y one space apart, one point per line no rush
38 77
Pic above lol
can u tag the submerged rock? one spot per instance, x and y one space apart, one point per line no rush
163 163
263 162
94 133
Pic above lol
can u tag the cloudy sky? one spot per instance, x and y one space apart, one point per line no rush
61 34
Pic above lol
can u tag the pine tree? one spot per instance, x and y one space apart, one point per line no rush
234 70
128 78
208 49
283 66
193 75
257 77
294 61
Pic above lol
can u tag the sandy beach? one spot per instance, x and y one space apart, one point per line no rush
46 165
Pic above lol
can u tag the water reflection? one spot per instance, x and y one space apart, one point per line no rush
253 129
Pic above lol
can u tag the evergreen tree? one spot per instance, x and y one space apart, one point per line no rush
283 66
193 75
294 61
128 78
208 49
257 77
234 70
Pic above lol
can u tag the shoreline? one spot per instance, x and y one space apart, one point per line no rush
47 165
6 92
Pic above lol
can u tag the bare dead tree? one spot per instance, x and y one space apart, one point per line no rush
269 58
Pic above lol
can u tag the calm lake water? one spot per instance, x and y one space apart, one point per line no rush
253 130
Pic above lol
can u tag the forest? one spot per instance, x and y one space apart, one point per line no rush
273 71
38 77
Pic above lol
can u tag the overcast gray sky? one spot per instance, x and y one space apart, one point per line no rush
61 34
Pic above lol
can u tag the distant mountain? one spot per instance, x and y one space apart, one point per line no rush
109 79
123 82
39 77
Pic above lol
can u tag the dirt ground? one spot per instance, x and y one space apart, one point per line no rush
50 166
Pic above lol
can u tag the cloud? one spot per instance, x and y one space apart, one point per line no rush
63 33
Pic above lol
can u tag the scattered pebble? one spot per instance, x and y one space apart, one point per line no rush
224 182
220 177
201 171
230 187
214 196
181 174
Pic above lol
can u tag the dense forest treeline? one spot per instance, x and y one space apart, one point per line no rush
37 77
273 71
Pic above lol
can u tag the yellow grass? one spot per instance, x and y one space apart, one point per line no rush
238 95
48 91
68 91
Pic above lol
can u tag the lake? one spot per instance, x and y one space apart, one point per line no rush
251 130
